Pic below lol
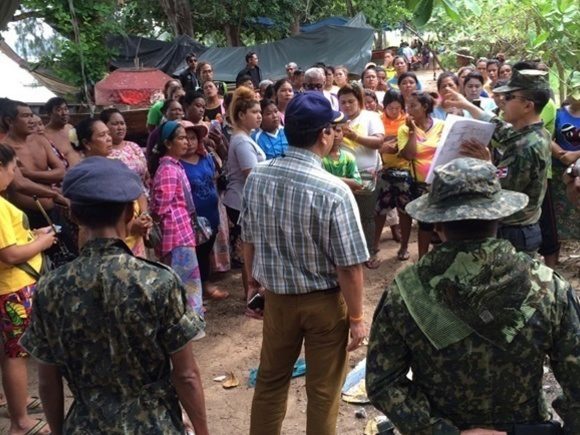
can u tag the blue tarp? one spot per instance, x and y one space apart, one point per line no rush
333 45
330 21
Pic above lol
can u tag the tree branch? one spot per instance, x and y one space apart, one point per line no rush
24 15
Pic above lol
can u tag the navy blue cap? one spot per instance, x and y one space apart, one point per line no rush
311 111
99 179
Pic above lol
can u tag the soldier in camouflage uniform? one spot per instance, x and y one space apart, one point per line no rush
524 146
115 326
474 320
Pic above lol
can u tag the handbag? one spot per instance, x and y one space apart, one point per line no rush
45 266
200 224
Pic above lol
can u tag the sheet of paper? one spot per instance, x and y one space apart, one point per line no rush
456 131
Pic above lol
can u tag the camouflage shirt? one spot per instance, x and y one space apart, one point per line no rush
110 321
492 377
523 166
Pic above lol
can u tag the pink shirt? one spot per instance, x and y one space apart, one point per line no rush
169 206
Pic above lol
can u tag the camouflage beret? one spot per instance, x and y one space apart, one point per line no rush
99 179
465 189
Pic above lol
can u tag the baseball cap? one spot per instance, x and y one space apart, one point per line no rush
99 179
311 111
465 189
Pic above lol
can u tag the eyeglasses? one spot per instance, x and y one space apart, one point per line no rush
509 97
314 86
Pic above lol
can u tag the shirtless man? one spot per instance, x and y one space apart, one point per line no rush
58 128
36 160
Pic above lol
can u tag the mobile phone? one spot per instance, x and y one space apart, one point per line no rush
477 103
257 302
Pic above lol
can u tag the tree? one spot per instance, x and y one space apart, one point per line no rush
522 29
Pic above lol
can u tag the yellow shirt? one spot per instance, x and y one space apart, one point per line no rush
14 231
427 143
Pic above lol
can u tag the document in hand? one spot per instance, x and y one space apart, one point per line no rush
456 131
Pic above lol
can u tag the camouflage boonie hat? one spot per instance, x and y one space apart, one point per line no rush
463 189
526 79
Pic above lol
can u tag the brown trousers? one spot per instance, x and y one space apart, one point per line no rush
319 320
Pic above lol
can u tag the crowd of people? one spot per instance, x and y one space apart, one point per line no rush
293 180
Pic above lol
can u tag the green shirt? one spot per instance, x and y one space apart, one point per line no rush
492 377
523 165
344 167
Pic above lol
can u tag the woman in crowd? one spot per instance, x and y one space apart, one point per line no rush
194 107
329 86
371 101
505 71
565 151
370 81
364 136
417 142
201 172
19 247
472 90
172 111
389 57
481 67
214 109
169 206
393 117
270 137
243 155
446 81
401 67
407 83
382 77
128 152
95 139
155 114
283 92
461 74
340 76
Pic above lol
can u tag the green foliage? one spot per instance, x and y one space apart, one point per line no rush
522 29
95 19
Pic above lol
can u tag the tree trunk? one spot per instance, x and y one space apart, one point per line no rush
295 25
232 33
178 13
350 8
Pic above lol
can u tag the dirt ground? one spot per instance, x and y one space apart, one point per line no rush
233 345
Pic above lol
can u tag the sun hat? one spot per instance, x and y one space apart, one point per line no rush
465 189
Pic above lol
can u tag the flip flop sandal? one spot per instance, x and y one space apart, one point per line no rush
37 428
373 263
217 295
403 255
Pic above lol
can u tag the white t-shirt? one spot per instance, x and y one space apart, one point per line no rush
243 153
365 124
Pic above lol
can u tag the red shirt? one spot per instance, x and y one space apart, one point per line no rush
169 206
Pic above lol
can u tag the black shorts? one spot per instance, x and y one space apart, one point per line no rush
525 238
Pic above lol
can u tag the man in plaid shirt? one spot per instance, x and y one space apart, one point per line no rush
305 246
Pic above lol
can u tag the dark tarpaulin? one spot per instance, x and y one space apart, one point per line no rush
169 57
333 45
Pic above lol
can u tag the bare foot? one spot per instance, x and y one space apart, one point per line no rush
29 426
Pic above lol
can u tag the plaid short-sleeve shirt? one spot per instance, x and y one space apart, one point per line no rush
303 223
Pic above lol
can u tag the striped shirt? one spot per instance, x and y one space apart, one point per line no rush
303 223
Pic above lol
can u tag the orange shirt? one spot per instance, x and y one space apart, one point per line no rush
391 129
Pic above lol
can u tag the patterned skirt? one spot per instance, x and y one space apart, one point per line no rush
183 261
